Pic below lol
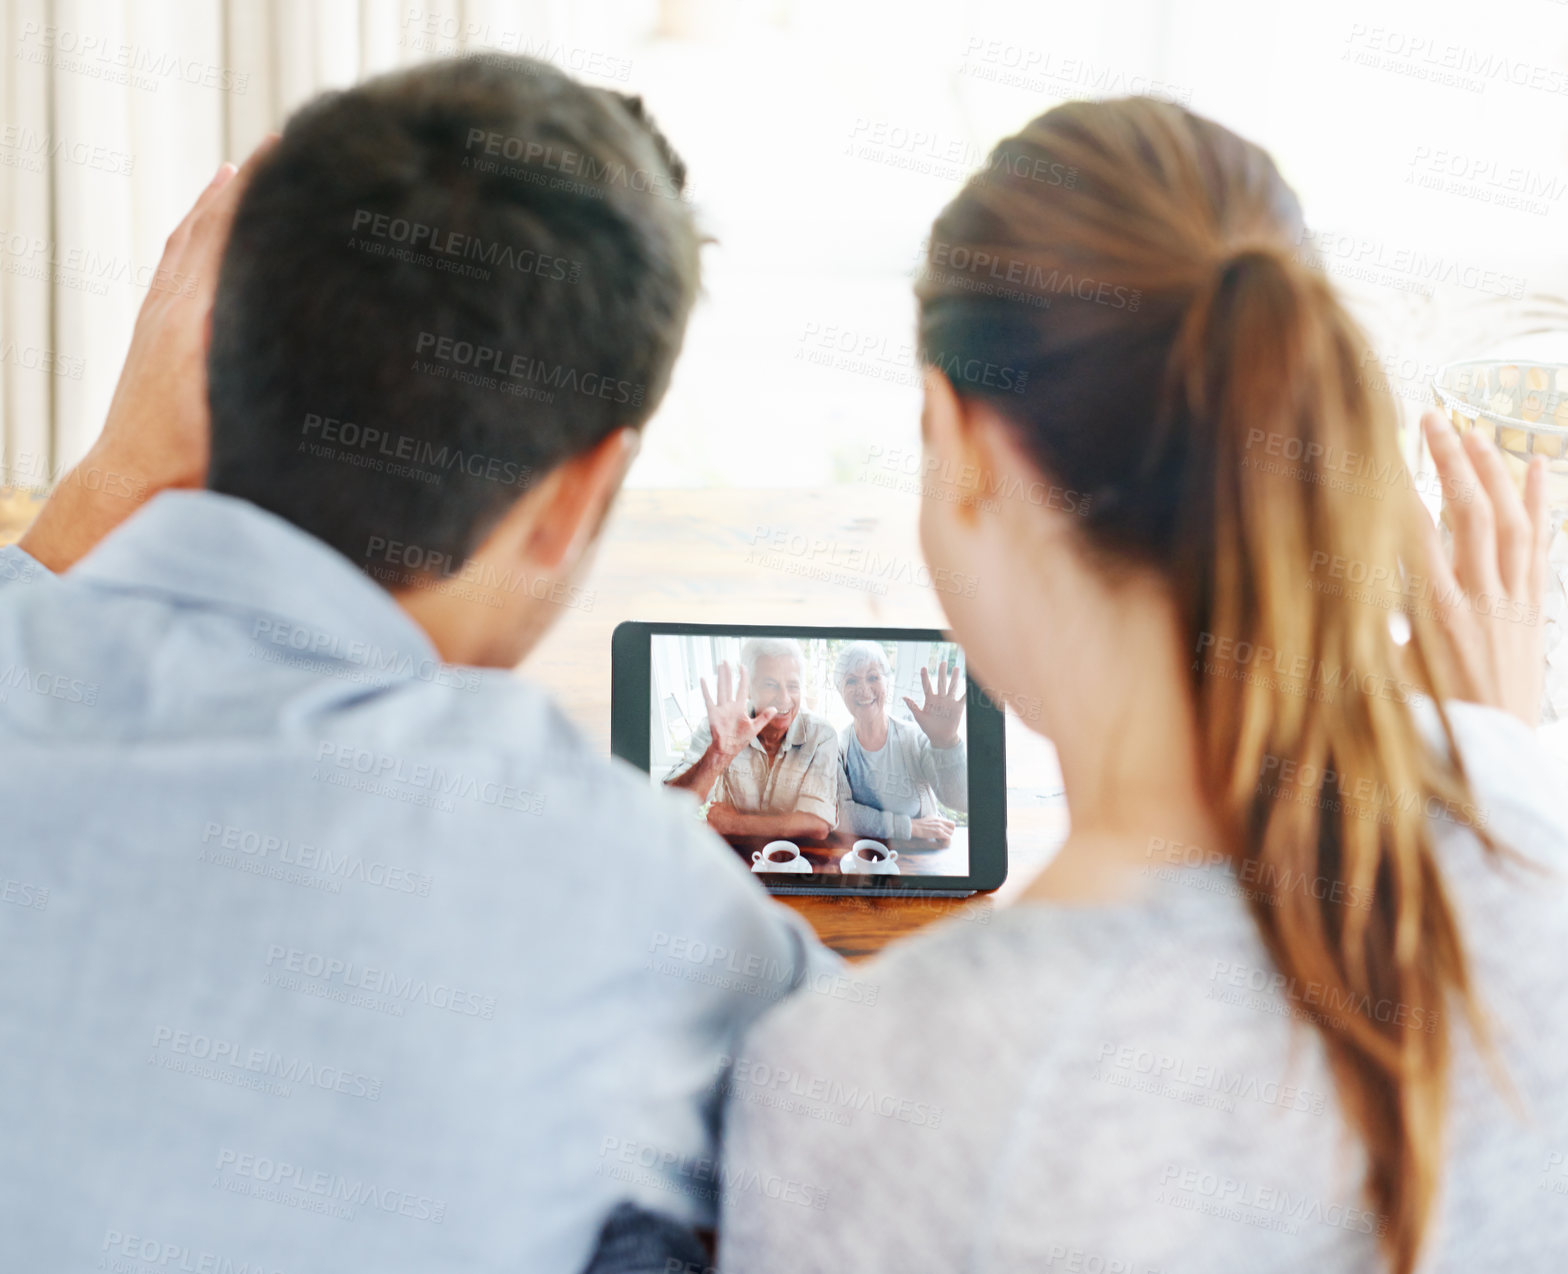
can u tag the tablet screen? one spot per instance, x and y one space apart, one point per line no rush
860 768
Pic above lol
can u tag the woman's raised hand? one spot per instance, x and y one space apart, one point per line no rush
1488 600
943 710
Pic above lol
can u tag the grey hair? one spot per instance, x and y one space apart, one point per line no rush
756 648
857 655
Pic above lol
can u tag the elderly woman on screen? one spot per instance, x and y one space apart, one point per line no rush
893 773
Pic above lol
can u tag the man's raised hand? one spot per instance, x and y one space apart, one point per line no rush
728 719
157 434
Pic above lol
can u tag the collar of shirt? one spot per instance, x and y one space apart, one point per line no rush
793 737
228 555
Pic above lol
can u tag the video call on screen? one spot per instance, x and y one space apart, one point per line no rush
861 772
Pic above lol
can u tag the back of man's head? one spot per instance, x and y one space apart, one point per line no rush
439 285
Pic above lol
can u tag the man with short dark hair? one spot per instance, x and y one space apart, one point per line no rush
334 945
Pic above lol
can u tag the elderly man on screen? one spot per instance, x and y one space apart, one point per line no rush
893 773
769 767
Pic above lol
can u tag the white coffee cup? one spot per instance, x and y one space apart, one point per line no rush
870 857
779 855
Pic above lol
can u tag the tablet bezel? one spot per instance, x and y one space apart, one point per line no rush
631 707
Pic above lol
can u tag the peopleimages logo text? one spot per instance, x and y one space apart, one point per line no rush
428 776
479 358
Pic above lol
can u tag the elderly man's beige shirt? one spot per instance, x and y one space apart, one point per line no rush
802 779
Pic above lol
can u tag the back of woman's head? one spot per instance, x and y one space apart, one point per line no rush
1186 366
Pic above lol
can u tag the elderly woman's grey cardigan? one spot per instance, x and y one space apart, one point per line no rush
933 773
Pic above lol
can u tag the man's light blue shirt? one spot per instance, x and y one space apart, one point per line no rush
323 955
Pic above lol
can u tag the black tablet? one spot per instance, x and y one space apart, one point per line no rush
832 760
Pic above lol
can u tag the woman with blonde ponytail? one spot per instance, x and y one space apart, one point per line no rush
1290 995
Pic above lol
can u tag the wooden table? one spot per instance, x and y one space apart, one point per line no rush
835 555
